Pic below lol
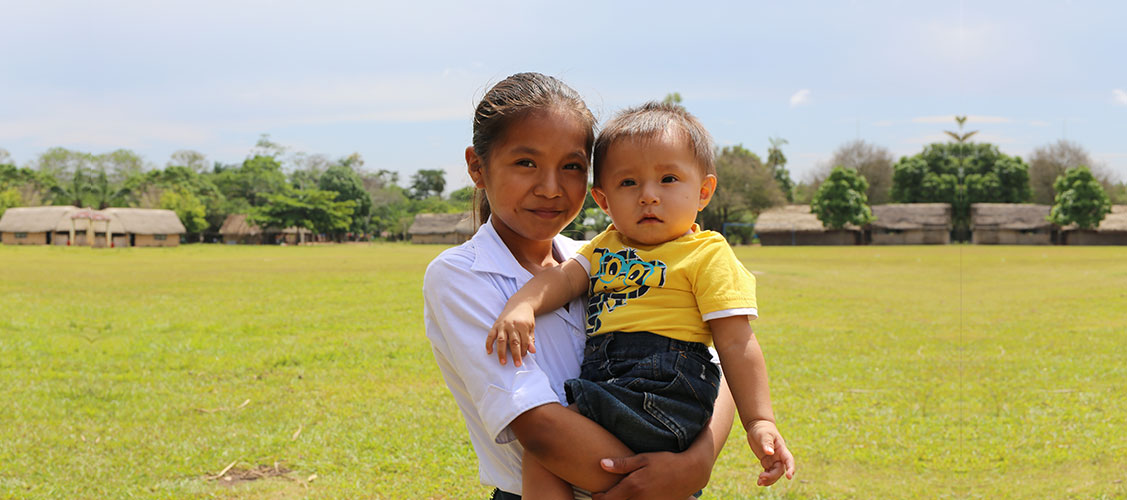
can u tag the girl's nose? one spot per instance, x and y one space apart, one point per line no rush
549 185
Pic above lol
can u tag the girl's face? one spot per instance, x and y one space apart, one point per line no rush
535 175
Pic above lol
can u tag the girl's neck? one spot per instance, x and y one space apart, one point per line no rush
533 255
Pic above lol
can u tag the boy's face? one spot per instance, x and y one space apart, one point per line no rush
653 188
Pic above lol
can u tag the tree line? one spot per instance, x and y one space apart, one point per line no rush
275 188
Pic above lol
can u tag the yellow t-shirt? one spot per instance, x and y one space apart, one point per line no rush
668 289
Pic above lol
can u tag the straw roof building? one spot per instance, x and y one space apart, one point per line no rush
1111 231
911 224
237 229
148 227
796 225
67 225
1010 224
449 229
31 225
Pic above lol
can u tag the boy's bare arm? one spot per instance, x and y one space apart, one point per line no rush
746 373
549 290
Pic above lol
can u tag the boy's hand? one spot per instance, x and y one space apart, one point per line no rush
771 450
515 331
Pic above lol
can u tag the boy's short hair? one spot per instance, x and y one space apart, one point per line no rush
649 120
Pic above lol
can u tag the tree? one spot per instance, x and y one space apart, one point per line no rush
673 98
1080 199
188 158
777 161
426 183
190 210
344 181
960 173
873 162
254 181
744 188
841 199
311 209
1049 162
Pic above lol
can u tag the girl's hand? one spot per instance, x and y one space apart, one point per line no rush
771 450
514 331
659 475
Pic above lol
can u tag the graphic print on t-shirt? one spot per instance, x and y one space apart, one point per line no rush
617 277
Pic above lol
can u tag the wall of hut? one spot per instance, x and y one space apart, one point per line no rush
1087 237
984 236
450 238
809 238
910 237
156 240
24 238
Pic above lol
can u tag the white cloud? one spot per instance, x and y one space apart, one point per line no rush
800 98
1120 96
970 119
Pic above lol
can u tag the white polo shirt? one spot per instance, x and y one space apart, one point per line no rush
464 290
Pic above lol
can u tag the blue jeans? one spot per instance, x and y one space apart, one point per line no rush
653 393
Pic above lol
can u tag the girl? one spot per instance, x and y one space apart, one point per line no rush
531 147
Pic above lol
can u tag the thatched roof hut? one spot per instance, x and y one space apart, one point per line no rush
442 228
1111 231
796 225
147 220
1010 224
911 224
238 229
31 225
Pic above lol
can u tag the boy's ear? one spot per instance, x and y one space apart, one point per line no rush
600 198
707 189
474 167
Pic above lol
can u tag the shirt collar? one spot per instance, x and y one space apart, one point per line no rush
492 256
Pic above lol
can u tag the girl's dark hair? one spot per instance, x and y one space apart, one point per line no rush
511 99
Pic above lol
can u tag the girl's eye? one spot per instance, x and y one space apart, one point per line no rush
526 163
669 178
575 166
627 182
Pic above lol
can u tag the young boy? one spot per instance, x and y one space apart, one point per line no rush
660 291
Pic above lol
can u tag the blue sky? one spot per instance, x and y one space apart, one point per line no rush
397 81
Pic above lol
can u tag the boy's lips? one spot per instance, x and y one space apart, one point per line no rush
649 219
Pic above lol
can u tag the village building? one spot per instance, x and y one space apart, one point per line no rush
1010 224
796 225
237 230
32 225
1111 231
88 227
448 229
911 224
146 227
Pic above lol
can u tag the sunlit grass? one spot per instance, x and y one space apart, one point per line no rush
897 372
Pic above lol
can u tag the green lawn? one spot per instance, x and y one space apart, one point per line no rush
897 372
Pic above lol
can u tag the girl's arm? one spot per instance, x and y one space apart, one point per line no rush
572 447
549 290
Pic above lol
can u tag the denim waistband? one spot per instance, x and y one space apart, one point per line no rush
650 340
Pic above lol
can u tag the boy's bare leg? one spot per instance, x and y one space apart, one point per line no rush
539 483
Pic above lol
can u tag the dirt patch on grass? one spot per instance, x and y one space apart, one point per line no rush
232 476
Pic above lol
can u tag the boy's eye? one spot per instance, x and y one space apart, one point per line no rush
669 178
627 182
526 163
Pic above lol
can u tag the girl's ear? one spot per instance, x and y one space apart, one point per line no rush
475 167
707 189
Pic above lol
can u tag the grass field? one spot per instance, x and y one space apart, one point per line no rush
897 372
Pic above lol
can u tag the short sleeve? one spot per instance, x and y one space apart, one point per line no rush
460 306
721 283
